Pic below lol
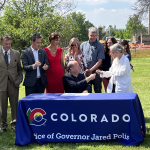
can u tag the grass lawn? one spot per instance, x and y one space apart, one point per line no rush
140 53
141 85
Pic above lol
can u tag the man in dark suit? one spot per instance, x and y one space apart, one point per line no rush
74 81
35 63
10 79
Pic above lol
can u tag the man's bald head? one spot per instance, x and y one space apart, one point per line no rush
74 68
71 64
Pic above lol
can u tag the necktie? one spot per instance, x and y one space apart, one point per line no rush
6 58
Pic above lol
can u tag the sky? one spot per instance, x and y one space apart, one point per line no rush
106 12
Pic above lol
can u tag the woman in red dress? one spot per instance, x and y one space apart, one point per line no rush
56 70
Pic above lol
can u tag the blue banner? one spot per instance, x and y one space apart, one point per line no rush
96 117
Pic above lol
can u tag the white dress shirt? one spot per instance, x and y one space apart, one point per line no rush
36 57
120 76
8 53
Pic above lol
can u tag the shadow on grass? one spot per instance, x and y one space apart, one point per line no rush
8 142
82 145
69 146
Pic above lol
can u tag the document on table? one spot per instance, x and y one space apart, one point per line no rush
82 94
75 94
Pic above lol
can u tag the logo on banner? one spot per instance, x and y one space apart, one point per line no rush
35 116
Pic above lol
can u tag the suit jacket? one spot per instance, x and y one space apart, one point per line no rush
14 70
31 74
71 86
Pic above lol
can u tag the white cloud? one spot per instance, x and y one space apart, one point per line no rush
105 17
114 10
97 2
93 2
129 1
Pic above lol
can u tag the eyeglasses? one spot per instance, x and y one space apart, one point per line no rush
74 45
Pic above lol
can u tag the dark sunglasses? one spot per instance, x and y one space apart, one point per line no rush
74 45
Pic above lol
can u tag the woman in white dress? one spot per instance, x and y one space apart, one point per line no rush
120 81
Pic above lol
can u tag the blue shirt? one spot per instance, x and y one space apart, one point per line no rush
92 52
128 56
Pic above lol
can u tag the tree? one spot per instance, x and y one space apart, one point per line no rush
120 34
81 24
2 4
142 8
110 31
134 25
104 32
64 6
23 19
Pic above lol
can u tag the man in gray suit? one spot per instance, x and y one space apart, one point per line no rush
35 63
10 79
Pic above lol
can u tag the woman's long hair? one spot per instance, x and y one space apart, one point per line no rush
112 39
124 43
104 42
78 43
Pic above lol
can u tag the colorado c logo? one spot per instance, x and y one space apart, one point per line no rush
35 117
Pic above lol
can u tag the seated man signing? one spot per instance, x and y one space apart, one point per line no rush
74 81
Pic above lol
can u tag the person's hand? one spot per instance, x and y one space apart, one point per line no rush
92 76
45 67
99 71
85 91
75 56
37 63
111 69
88 72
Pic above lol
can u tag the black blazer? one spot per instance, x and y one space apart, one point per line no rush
31 74
71 86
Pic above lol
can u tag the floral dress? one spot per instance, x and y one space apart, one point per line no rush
71 58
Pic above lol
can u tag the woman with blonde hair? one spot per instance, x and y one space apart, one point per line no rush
74 53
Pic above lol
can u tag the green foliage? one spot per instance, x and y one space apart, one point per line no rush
104 32
110 31
81 24
133 26
22 19
120 34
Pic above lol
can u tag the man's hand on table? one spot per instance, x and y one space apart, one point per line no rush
85 91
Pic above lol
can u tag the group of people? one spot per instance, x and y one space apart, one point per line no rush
85 65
